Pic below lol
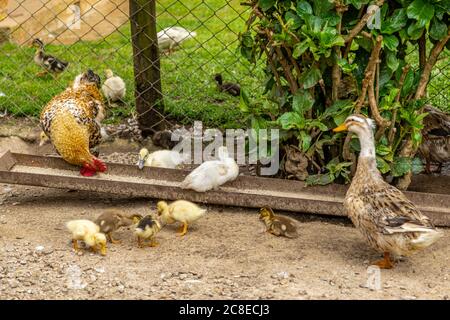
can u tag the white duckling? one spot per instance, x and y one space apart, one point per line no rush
88 232
114 87
212 174
182 211
161 159
171 37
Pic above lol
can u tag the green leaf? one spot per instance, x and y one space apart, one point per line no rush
302 101
383 150
400 166
438 29
392 61
395 22
301 47
408 83
293 19
313 24
316 124
305 139
339 111
310 78
319 179
415 30
391 42
290 120
329 38
357 3
322 7
247 39
420 10
346 67
304 7
266 4
243 101
382 165
417 166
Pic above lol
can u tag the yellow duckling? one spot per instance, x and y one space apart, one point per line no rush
88 232
389 221
182 211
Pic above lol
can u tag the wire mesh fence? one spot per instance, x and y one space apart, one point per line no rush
96 34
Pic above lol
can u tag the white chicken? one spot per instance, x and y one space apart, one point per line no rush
161 159
114 87
212 174
171 37
88 232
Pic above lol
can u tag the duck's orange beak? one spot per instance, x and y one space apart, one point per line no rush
342 127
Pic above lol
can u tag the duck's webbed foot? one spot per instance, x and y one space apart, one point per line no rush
385 263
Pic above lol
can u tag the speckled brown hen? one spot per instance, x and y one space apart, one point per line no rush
386 218
72 122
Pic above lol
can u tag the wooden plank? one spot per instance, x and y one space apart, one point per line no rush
7 160
245 191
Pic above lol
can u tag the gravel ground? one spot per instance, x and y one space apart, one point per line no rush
223 256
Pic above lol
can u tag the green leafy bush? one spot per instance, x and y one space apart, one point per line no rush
327 59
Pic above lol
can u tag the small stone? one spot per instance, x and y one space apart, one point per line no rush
100 269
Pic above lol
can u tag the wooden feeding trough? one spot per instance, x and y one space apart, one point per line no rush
430 194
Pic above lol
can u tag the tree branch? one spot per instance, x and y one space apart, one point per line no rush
401 81
369 73
360 25
426 72
272 66
336 70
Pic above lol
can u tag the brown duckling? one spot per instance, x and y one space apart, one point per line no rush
231 88
147 229
112 220
278 225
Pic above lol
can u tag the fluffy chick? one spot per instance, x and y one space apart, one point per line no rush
278 225
182 211
112 220
161 159
147 229
114 87
89 233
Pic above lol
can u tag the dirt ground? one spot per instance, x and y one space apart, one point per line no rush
64 21
224 255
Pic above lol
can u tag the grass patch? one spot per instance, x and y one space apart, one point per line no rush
190 92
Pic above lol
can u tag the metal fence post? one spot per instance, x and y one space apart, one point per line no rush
148 94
